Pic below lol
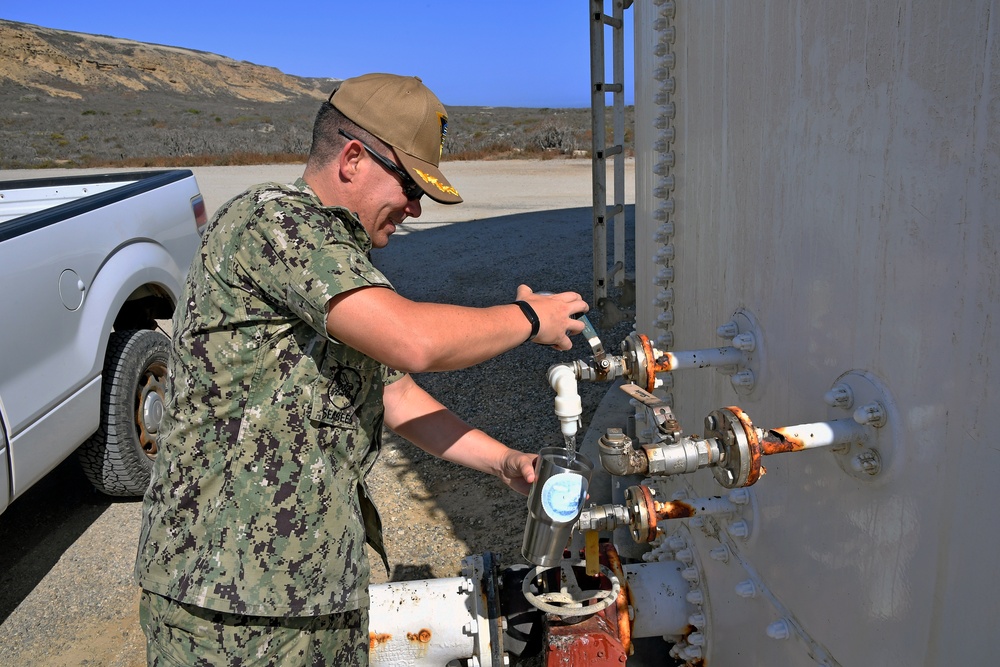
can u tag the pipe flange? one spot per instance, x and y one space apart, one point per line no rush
740 465
639 501
862 396
637 353
570 600
745 332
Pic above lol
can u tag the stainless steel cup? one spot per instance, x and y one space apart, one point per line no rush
554 504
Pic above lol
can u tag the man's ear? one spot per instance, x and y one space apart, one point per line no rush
349 160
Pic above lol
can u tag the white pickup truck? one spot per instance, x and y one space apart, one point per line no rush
88 264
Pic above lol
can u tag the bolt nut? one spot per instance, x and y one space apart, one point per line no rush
728 330
779 630
745 342
720 554
839 396
739 496
695 597
872 414
867 462
744 378
746 589
740 529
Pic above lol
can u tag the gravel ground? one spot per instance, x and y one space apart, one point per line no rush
66 593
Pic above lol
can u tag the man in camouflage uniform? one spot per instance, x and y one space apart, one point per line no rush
289 353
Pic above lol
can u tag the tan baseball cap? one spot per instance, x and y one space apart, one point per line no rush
404 113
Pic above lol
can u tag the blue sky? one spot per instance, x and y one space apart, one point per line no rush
526 53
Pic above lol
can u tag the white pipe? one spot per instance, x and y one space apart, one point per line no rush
427 622
569 407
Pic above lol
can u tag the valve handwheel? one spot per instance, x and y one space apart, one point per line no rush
571 599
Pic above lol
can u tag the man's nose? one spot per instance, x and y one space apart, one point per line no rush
413 208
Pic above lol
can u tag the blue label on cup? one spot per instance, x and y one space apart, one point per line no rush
562 496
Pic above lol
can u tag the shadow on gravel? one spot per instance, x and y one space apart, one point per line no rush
38 528
481 263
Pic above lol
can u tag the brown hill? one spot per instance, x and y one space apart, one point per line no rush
72 99
75 66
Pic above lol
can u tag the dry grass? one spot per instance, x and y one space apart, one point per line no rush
165 130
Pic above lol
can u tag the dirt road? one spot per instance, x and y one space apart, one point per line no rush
66 592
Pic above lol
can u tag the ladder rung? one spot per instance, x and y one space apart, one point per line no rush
614 210
611 21
609 87
608 152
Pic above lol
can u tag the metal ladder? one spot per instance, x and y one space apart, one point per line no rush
610 312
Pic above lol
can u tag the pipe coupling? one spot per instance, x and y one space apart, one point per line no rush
686 456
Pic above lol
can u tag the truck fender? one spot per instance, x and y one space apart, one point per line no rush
130 267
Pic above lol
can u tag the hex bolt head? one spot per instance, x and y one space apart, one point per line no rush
744 378
779 630
677 542
692 652
695 597
720 554
697 620
746 589
740 529
696 639
739 496
728 330
745 342
872 414
868 462
839 396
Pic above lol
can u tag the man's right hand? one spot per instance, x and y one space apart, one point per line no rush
555 316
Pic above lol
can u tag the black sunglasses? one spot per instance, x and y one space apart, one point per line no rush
411 190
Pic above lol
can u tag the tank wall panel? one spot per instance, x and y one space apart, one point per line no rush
838 175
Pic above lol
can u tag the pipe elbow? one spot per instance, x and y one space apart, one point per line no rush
619 458
568 406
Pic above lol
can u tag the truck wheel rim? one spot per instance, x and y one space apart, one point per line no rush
149 411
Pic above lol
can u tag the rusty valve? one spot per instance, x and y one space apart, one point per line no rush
732 447
642 512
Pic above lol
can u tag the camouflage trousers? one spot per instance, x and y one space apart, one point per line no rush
182 635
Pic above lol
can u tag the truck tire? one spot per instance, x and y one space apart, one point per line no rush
118 458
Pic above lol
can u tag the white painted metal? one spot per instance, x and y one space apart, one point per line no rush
426 622
836 175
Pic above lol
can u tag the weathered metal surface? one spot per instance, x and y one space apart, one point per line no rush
837 176
603 638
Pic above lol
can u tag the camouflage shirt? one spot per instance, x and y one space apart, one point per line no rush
257 503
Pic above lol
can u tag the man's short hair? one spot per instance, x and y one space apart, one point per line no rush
327 140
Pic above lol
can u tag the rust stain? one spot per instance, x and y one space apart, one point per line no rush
779 441
647 499
665 364
377 639
622 601
423 636
647 349
753 444
673 510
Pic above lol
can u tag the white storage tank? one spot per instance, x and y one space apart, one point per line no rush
833 187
